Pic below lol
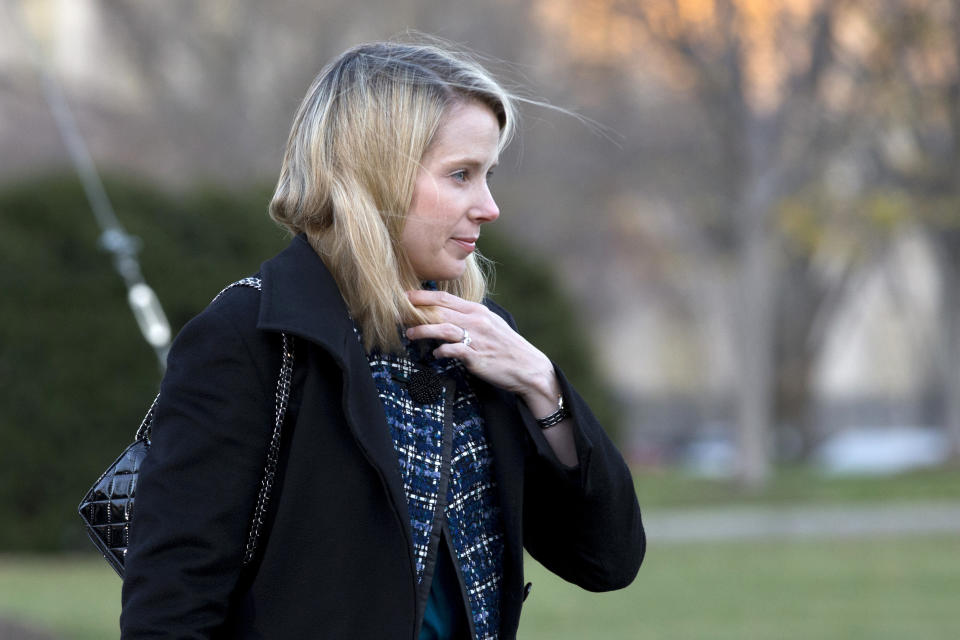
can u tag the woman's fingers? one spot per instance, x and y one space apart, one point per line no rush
459 319
452 337
446 331
442 299
495 353
457 350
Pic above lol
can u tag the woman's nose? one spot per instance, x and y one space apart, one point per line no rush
486 209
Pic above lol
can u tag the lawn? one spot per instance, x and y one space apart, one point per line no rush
795 485
845 589
876 589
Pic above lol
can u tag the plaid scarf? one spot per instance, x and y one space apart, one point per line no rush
451 470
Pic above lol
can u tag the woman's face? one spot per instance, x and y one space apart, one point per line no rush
451 198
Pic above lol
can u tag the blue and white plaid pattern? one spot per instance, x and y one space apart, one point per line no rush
472 508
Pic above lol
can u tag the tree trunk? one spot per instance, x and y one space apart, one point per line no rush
757 189
755 392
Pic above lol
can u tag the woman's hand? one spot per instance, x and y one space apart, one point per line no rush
496 353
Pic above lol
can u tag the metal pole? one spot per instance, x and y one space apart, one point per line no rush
114 239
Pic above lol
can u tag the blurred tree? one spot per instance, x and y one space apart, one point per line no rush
830 236
760 72
913 58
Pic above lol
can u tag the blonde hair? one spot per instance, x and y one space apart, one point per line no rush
350 164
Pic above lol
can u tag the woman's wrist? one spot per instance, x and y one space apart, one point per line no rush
542 396
542 393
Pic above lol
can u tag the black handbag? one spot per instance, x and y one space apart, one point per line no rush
107 509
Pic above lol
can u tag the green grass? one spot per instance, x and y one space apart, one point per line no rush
876 589
665 489
76 596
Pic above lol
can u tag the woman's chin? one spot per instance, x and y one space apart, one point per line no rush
441 274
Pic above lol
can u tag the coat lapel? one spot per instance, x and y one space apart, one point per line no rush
300 297
506 438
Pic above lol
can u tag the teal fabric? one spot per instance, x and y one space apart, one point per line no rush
445 617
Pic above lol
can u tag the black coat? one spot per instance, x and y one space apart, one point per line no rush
335 560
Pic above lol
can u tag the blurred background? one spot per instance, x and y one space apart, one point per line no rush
746 252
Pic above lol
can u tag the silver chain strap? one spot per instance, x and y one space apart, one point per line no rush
273 451
143 433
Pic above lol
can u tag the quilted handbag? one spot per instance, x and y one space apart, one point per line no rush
107 509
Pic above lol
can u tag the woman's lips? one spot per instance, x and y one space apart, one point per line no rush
467 244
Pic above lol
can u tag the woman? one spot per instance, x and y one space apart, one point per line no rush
426 442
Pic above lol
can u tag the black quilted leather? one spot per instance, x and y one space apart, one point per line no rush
108 506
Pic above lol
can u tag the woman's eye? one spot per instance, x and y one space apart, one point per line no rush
459 176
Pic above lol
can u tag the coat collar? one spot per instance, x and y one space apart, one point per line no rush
300 296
